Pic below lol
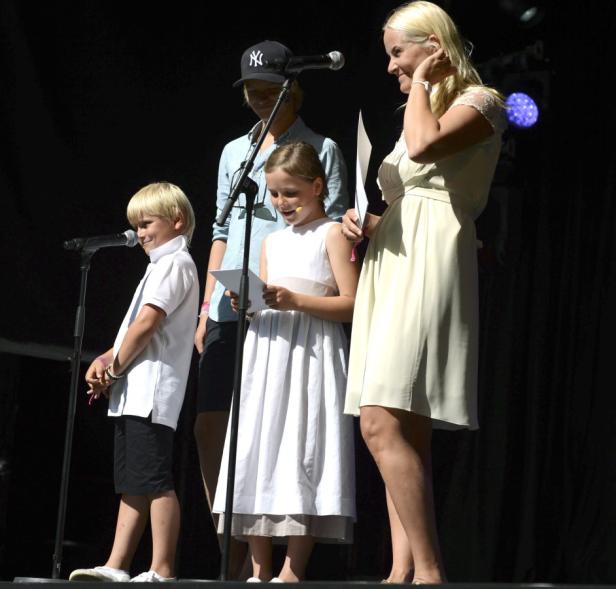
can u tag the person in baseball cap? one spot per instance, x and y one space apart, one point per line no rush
215 336
256 63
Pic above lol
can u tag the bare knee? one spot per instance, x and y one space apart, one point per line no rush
370 428
378 429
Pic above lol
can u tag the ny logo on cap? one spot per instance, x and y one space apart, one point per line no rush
256 58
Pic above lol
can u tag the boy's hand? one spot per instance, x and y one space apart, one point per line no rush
96 371
96 378
279 298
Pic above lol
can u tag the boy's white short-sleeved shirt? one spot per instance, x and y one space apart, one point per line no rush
156 380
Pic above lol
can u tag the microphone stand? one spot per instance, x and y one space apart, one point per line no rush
86 256
249 188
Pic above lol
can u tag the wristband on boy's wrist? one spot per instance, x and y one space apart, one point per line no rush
102 360
205 308
109 372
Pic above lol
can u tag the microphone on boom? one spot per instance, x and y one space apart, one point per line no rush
333 60
128 238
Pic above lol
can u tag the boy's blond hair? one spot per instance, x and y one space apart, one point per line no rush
164 200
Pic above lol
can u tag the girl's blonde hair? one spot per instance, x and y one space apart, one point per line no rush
164 200
420 19
298 159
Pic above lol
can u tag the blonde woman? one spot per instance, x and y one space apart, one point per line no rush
413 360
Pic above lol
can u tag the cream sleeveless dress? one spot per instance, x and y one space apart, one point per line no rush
295 461
415 324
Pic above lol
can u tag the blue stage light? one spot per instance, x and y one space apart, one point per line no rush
522 110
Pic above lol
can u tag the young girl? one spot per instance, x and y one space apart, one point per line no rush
295 465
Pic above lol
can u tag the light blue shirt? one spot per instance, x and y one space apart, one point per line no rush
266 219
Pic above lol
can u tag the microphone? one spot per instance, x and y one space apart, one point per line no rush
333 60
128 238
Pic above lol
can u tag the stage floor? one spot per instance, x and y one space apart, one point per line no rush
215 584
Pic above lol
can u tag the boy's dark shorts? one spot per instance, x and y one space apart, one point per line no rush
143 456
216 367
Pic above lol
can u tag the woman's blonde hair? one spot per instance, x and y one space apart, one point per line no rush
420 19
298 159
164 200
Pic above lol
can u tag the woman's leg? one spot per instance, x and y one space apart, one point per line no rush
299 550
402 557
399 442
261 554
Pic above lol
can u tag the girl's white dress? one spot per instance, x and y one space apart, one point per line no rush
295 472
415 324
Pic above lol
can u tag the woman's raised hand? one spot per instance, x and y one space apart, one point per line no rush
435 68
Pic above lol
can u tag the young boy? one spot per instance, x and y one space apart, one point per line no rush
147 370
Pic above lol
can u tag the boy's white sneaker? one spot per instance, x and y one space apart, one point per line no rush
100 574
253 580
152 577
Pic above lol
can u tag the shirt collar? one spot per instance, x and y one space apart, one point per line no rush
295 129
168 247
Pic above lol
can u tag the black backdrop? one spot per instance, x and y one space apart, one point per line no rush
99 98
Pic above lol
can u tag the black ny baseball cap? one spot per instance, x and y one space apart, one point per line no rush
257 62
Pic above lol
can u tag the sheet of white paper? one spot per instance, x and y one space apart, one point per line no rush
231 281
364 149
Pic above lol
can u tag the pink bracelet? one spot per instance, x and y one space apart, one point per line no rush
102 361
354 253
